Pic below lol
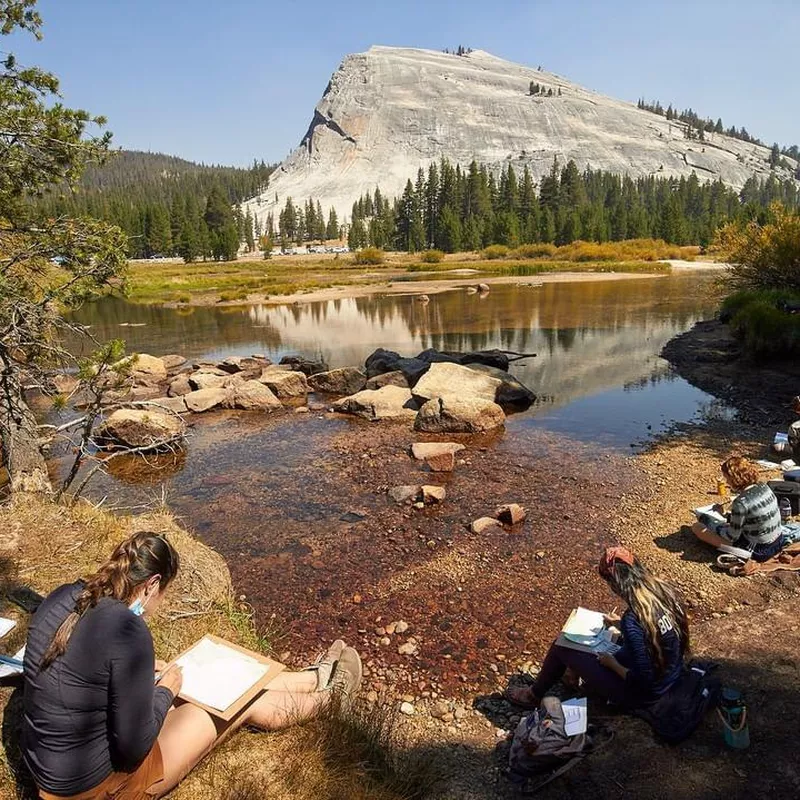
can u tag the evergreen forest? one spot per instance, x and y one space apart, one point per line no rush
454 209
166 205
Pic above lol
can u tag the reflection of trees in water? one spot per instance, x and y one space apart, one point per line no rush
593 333
189 331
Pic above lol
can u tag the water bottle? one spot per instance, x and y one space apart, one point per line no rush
733 712
786 509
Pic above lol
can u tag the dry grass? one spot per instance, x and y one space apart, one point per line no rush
353 757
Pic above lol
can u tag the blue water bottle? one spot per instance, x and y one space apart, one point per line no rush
733 713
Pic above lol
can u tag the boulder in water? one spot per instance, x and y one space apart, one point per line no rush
382 361
453 380
285 383
252 396
342 381
133 427
459 415
205 399
390 402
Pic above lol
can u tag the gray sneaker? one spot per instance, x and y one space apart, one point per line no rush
325 665
347 675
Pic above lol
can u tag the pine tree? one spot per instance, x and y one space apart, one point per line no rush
332 228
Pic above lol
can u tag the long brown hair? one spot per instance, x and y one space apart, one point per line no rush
648 597
133 562
739 472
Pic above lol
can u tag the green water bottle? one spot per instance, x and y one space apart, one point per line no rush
733 713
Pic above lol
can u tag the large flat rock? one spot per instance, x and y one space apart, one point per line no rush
444 379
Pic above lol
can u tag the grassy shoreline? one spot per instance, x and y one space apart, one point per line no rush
253 281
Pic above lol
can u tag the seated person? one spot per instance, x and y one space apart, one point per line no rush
96 722
754 521
655 637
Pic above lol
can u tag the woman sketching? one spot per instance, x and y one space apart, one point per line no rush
98 724
655 638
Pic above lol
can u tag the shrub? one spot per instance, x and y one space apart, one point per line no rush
369 255
539 250
432 256
495 251
759 320
763 256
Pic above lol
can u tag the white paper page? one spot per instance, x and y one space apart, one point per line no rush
216 675
576 716
781 437
7 669
584 626
764 464
6 625
709 512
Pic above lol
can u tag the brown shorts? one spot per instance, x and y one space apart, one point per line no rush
142 784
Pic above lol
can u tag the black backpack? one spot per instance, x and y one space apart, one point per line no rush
789 490
678 712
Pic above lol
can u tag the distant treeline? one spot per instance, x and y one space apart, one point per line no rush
166 205
453 209
703 126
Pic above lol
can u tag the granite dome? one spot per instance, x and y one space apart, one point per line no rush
389 111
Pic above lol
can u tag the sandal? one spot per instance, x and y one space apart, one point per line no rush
325 665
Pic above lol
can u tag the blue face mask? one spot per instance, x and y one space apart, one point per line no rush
137 608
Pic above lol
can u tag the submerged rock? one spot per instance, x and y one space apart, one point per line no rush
132 427
424 450
342 381
390 402
459 415
404 494
485 524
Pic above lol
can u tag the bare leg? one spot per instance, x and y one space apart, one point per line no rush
189 733
294 682
707 536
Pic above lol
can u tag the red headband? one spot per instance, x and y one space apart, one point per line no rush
613 554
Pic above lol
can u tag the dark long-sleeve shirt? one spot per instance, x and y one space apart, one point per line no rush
646 683
94 710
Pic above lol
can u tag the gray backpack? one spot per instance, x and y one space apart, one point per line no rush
540 743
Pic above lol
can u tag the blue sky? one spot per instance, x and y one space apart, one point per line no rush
226 81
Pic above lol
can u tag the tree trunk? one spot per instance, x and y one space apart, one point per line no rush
22 454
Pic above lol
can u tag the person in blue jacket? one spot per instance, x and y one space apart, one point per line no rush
655 640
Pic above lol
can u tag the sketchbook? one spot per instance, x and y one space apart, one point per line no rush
585 630
6 626
223 677
6 669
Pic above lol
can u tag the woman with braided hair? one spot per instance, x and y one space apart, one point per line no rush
655 639
99 722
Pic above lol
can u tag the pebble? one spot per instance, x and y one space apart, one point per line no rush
302 410
407 709
407 649
400 627
486 525
440 711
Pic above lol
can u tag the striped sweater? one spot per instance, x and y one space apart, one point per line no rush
755 520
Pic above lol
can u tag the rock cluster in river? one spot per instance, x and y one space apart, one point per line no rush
442 392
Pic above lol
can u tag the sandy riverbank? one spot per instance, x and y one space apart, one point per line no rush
423 286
